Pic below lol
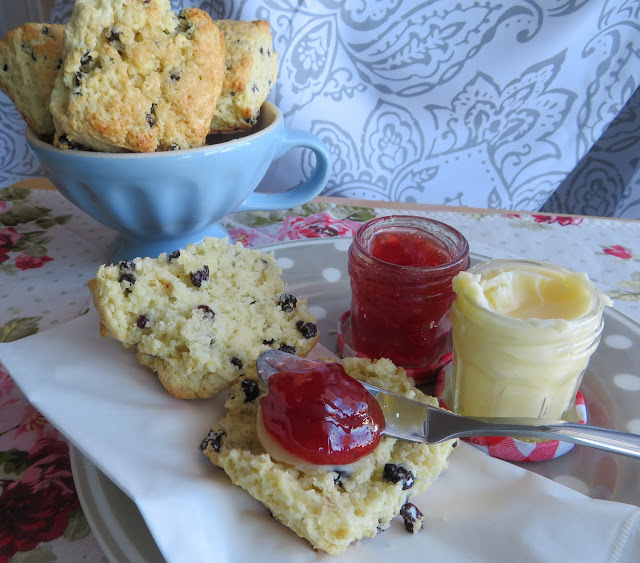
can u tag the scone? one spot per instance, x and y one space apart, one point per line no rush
30 57
251 67
331 509
201 316
137 77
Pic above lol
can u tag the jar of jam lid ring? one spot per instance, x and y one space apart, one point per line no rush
523 333
400 268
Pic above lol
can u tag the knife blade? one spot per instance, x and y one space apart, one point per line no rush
408 419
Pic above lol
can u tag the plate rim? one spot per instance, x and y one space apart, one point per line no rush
84 471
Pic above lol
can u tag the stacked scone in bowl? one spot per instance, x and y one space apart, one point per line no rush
165 115
132 75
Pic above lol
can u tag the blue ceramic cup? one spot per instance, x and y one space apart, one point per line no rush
162 201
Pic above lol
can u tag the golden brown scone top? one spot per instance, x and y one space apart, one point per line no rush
137 77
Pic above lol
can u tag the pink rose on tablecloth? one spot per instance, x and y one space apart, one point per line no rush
6 384
49 463
33 422
618 251
26 262
8 239
250 237
21 425
563 221
316 226
37 508
10 412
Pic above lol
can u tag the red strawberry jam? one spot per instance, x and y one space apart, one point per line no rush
405 248
322 415
400 269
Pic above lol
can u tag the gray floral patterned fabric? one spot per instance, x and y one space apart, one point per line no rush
526 104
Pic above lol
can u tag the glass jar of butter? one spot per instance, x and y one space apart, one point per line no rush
523 333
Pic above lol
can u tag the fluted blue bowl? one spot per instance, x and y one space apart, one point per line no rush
161 201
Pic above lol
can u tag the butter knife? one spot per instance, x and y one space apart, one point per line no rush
416 422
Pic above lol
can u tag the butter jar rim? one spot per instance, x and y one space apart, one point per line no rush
598 299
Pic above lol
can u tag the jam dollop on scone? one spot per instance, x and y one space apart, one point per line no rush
331 507
201 316
137 77
321 416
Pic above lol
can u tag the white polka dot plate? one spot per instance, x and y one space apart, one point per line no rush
316 269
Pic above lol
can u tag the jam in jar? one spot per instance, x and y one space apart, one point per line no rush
401 269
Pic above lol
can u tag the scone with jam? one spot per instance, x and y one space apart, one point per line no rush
202 315
30 57
137 77
251 68
330 506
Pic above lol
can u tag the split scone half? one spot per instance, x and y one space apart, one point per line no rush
30 57
137 77
201 316
329 508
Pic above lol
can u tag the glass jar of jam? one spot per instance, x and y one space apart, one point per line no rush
523 333
400 268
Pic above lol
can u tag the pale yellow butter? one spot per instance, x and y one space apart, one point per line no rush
278 453
523 333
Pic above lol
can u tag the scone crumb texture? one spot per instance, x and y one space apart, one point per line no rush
201 316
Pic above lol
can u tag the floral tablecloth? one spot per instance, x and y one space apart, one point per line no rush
49 250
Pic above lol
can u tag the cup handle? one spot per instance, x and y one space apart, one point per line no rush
310 188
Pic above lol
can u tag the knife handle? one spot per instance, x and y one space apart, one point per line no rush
592 436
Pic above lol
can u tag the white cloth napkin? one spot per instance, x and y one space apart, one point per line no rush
118 415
